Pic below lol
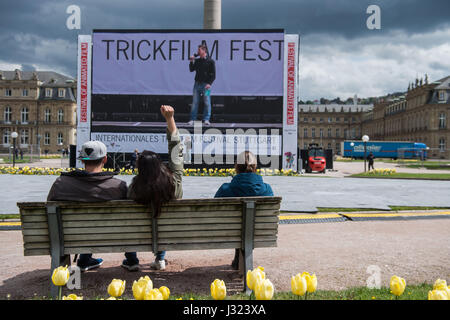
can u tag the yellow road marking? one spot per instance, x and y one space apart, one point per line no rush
10 224
398 214
320 216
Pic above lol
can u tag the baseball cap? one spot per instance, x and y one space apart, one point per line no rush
92 150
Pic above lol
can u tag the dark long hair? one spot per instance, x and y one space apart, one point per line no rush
153 185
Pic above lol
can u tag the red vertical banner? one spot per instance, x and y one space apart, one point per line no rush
84 81
290 84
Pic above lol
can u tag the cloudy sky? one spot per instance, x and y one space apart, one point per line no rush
339 55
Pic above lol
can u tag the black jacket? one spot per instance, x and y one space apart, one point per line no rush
205 70
80 185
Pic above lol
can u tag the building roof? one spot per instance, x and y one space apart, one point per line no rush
47 78
444 83
335 107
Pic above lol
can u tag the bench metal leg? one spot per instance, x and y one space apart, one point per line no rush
247 265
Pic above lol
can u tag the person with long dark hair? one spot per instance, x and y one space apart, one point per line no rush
157 183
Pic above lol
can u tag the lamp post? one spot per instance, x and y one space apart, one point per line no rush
365 139
14 135
352 144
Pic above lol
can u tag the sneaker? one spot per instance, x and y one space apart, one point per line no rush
92 264
130 266
206 123
158 265
190 123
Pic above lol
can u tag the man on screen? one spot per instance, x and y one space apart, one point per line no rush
205 75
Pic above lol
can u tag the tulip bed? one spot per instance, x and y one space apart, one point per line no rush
187 172
303 285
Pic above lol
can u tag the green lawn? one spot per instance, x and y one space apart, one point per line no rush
402 175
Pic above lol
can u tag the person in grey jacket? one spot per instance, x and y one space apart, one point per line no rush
89 185
157 183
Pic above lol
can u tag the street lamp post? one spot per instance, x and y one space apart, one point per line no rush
352 145
365 139
14 135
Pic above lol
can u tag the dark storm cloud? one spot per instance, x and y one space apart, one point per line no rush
34 33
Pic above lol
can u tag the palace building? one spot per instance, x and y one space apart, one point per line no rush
419 115
41 107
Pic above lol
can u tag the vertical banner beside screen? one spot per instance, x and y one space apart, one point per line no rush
83 91
290 115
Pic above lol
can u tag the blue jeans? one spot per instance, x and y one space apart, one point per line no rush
132 256
199 89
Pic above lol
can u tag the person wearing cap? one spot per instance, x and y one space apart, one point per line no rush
89 185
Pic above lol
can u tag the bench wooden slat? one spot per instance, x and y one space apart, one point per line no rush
29 239
200 246
102 243
37 245
35 232
34 225
106 223
105 216
187 227
193 234
100 230
36 252
227 220
108 249
108 236
33 218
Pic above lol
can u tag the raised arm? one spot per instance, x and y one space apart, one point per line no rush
176 161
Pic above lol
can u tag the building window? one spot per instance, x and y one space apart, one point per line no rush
305 119
442 145
60 116
338 119
321 133
24 115
305 132
6 136
321 120
8 92
329 132
313 119
47 138
7 114
61 93
329 146
47 116
345 133
441 95
59 139
313 132
337 151
24 138
48 92
338 134
330 119
442 124
353 119
25 93
353 133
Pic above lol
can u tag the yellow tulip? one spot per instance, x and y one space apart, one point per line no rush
141 286
116 288
60 276
298 285
397 285
111 298
165 292
440 284
264 290
311 281
72 297
254 276
218 289
153 294
437 295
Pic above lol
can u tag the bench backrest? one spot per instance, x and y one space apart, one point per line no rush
124 226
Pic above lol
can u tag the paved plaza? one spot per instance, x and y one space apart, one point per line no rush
300 194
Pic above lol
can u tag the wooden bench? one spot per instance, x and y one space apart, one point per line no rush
60 229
